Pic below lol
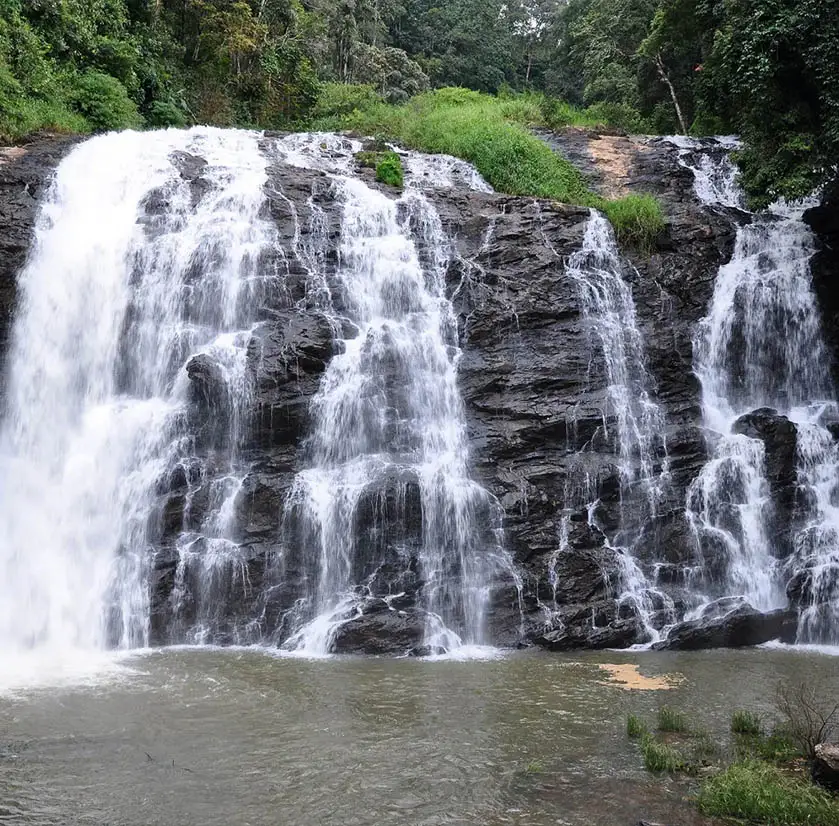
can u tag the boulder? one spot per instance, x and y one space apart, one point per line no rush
381 630
743 626
825 766
620 634
780 438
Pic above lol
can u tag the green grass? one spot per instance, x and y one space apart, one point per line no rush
756 792
494 135
24 117
637 220
635 727
659 757
669 719
389 170
745 722
776 747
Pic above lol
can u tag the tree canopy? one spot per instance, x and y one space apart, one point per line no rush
765 69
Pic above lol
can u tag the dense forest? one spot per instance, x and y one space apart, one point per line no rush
764 69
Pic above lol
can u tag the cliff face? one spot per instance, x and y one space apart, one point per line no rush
534 387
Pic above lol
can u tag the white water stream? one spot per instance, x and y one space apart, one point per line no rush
760 346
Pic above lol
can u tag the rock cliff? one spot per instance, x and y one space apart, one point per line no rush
534 388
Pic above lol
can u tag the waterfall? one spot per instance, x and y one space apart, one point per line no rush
388 416
131 379
127 280
761 347
638 436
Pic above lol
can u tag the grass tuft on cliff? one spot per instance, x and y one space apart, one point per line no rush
493 134
757 792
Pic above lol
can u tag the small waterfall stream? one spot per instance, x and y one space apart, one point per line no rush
760 348
388 415
638 434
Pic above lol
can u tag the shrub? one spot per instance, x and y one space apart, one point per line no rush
635 727
162 113
619 115
340 99
389 170
103 101
26 116
807 719
659 757
671 720
745 722
755 791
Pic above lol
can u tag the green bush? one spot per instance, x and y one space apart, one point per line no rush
671 720
162 113
745 722
339 99
389 170
619 115
26 116
103 101
659 757
757 792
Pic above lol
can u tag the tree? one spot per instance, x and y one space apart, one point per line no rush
778 63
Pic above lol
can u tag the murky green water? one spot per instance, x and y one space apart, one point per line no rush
238 738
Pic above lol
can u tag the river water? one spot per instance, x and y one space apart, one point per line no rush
238 737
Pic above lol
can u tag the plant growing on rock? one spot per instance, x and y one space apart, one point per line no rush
389 170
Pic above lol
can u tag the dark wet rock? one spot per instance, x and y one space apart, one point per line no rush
824 266
780 440
427 651
620 633
741 627
825 766
381 630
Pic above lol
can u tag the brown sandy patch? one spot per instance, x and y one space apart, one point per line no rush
612 156
629 677
11 153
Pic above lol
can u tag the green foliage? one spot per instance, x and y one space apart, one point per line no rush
103 101
163 113
635 727
669 719
341 99
638 221
757 792
389 170
745 722
659 757
775 747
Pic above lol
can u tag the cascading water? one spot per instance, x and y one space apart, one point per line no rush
112 306
130 381
388 415
638 439
761 347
